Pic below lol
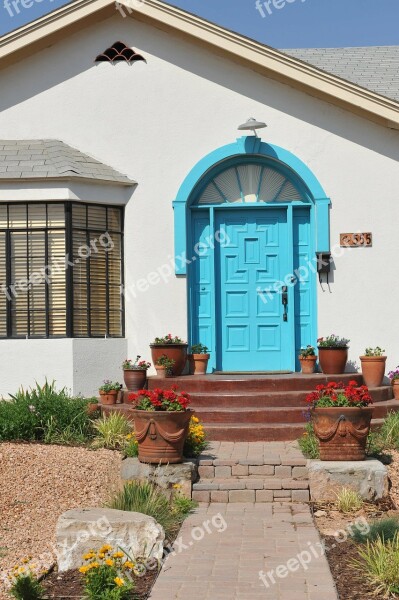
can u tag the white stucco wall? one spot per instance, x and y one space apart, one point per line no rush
154 121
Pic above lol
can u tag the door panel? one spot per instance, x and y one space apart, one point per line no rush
254 257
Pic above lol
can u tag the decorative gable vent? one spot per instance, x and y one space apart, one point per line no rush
119 52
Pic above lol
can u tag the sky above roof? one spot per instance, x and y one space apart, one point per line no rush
278 23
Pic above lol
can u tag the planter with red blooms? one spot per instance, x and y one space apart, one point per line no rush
161 419
341 417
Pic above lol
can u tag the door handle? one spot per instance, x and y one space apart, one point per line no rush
284 301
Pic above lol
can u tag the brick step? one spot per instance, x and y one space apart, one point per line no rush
240 384
276 399
260 432
244 471
246 483
251 490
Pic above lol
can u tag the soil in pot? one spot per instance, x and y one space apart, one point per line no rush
198 363
342 432
176 352
333 360
373 370
135 379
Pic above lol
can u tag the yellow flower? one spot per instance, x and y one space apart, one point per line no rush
109 562
94 565
105 548
177 486
128 565
89 556
118 555
119 582
101 555
84 569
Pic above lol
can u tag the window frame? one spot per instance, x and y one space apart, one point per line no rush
68 229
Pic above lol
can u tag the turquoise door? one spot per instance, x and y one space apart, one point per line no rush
253 332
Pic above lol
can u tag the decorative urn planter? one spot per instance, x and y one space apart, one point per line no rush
308 364
373 370
108 398
161 435
342 432
175 352
135 379
332 360
198 363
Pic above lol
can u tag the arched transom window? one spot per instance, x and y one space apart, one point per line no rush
250 183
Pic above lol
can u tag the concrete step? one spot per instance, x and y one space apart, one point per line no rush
244 384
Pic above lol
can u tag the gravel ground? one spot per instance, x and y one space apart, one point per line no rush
394 477
37 484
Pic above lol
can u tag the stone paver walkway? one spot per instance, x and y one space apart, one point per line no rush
222 548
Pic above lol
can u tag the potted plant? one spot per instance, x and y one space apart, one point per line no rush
174 348
373 366
92 406
394 377
162 421
164 366
109 391
333 354
198 359
341 418
135 373
307 357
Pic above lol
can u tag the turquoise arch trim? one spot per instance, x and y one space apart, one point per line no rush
247 146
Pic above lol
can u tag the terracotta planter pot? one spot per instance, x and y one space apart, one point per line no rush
162 372
161 435
108 398
333 361
308 364
373 370
342 432
176 352
198 363
395 388
135 379
92 408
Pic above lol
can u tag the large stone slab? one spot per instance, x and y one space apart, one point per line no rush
81 530
326 478
177 477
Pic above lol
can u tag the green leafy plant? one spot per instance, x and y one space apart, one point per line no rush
308 443
332 341
348 501
110 386
379 561
105 575
131 446
145 497
24 586
183 506
137 365
111 431
168 339
168 363
43 413
306 352
199 349
374 351
385 529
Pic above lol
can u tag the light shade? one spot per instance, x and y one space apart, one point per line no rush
252 125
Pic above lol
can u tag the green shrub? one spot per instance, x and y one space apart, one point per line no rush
111 431
26 587
45 414
348 501
105 574
385 529
145 497
308 443
131 446
389 432
182 506
379 561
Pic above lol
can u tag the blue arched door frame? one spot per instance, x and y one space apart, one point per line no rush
248 146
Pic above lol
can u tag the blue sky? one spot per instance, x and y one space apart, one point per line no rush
279 23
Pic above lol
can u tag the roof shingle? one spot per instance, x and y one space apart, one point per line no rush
52 159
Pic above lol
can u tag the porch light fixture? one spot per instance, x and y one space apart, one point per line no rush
252 125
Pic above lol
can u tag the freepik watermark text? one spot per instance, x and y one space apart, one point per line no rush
268 7
14 7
